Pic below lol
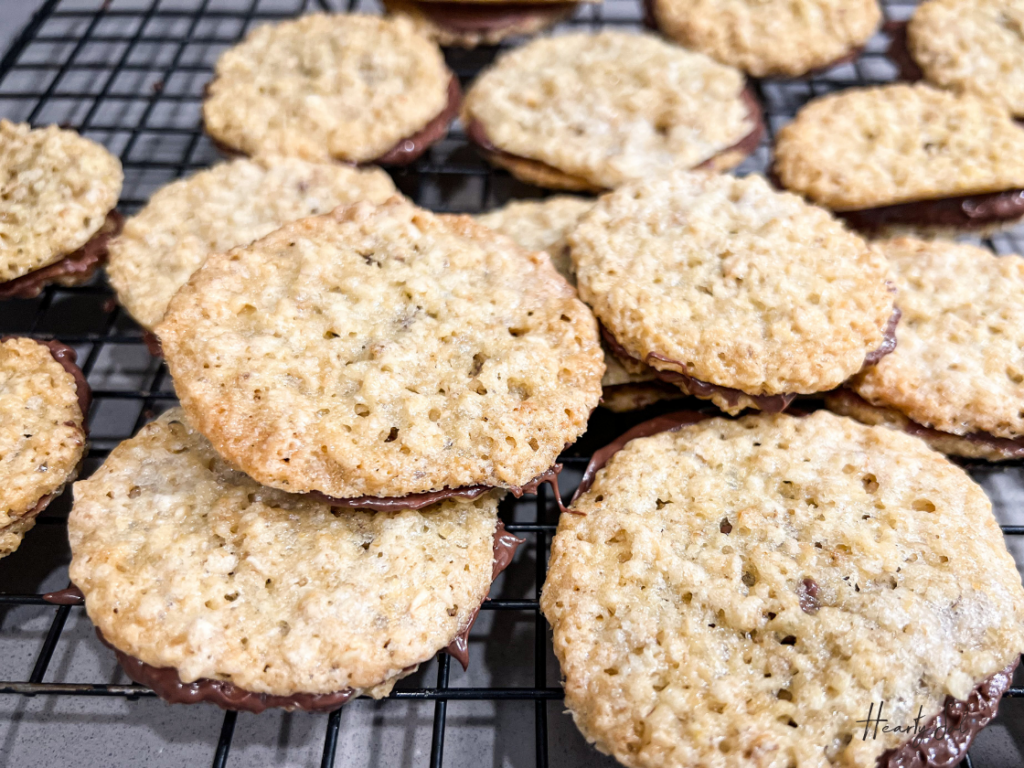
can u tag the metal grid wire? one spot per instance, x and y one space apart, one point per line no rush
130 73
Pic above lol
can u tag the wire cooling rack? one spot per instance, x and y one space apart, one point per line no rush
130 73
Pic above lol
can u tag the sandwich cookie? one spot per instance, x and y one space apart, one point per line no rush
215 210
346 87
748 592
906 157
736 293
59 192
213 588
595 111
544 225
956 378
382 351
746 34
469 24
972 46
44 401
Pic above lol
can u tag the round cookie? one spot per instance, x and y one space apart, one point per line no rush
972 46
217 209
59 191
383 351
958 367
741 593
469 24
43 402
594 111
749 34
188 565
906 156
544 225
541 225
343 86
741 294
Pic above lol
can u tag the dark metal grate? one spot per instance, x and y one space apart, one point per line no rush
130 74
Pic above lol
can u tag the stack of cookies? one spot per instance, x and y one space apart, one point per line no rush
361 381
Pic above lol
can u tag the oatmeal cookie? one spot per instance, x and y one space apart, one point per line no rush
745 295
742 592
383 351
217 209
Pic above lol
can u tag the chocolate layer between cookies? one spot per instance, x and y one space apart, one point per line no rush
72 269
706 390
476 133
409 149
966 212
168 685
1009 448
944 739
425 499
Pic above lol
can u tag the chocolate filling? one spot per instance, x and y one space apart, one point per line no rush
478 135
167 684
407 150
670 422
898 52
152 343
79 265
469 18
421 500
70 595
505 546
766 403
1011 447
944 740
964 212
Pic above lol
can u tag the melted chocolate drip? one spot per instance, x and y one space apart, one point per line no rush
471 17
888 338
421 500
67 357
670 422
899 52
71 595
808 595
964 212
476 133
407 150
80 265
505 546
1011 447
152 343
943 741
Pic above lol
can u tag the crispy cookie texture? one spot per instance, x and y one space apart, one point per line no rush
870 147
610 107
187 563
747 33
958 365
215 210
42 434
972 46
541 225
58 188
741 285
343 86
381 351
740 592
